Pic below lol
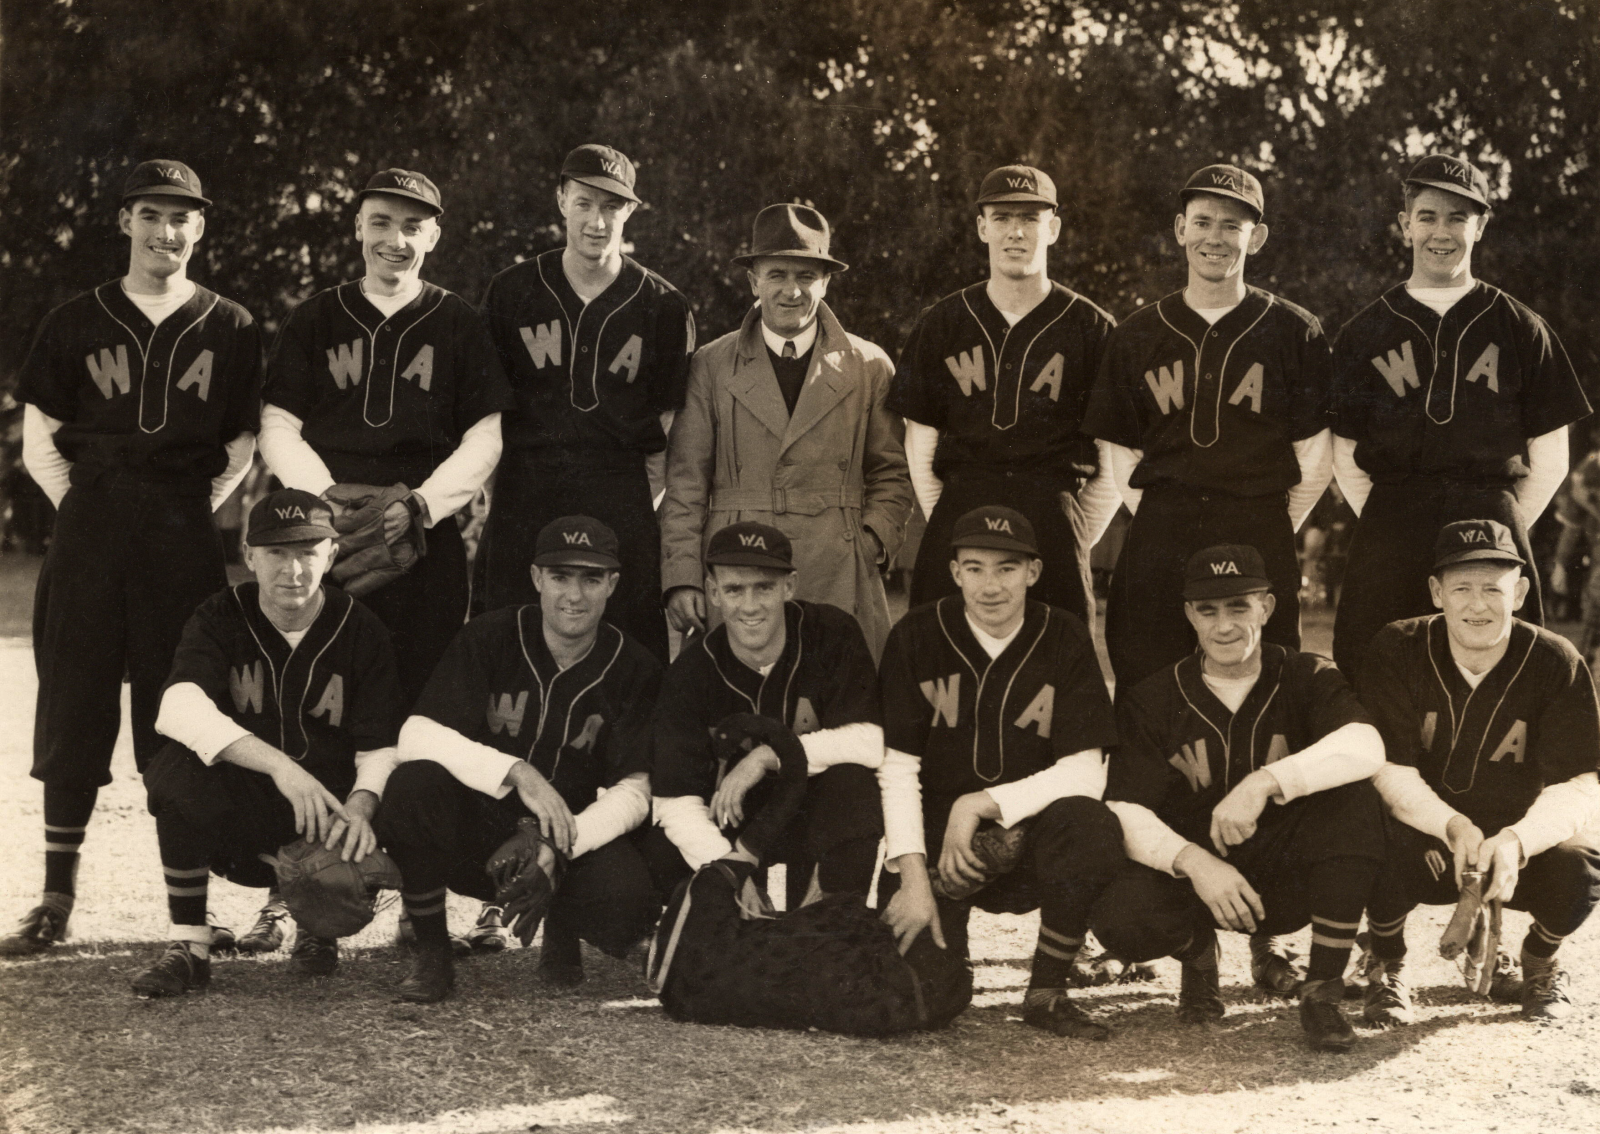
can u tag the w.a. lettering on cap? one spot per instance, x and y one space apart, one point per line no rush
404 183
749 544
1223 571
163 177
1453 175
1021 183
1227 181
289 515
996 528
601 167
1467 541
576 541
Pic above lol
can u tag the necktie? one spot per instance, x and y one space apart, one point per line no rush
788 348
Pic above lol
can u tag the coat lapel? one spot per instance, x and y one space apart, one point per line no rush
825 385
753 384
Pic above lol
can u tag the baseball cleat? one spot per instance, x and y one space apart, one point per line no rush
1273 967
1093 970
178 971
1386 1003
266 935
1505 983
223 939
1060 1015
40 928
489 935
432 976
1322 1018
1545 995
314 956
1200 990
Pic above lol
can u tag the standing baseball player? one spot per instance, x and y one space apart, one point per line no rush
598 349
1493 739
803 664
389 380
993 383
1240 784
1214 402
1452 401
785 425
996 721
282 709
531 745
142 399
1578 509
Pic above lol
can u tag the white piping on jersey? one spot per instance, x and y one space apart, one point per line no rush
1455 729
1227 738
1022 366
277 690
788 685
1433 345
577 324
372 351
980 678
300 714
1222 371
144 355
546 693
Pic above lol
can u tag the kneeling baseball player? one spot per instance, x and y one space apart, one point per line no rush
281 709
524 767
1493 740
996 724
1260 754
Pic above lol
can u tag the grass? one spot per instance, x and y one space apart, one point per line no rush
267 1051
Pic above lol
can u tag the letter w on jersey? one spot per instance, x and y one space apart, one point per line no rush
247 685
344 363
944 694
543 343
967 369
507 714
1166 386
110 373
1192 762
1399 370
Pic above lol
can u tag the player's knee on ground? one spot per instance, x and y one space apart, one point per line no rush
1077 839
1144 914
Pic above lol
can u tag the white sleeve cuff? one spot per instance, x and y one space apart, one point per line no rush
1412 801
241 454
1353 479
1559 812
922 441
859 743
289 456
50 470
1082 773
459 476
1123 461
1315 455
900 782
686 819
191 718
1146 839
1548 457
1349 753
478 766
618 810
373 768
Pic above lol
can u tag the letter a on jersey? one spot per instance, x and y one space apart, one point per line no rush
1039 712
1487 366
421 369
198 375
628 357
1050 376
332 703
1250 388
944 694
1514 744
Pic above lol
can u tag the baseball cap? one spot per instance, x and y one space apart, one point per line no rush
995 527
603 168
1466 541
576 541
163 178
404 183
289 515
1454 175
1227 181
749 544
1017 183
1223 571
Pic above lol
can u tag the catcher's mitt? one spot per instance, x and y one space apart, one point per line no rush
999 847
327 896
367 559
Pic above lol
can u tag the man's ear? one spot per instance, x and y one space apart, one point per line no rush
1258 237
1436 590
1521 594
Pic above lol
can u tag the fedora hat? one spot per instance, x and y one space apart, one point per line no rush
790 230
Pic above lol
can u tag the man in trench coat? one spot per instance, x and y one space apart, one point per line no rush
785 425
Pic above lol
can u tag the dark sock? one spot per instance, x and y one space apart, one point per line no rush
1540 943
1339 888
560 945
427 913
1053 957
1388 937
1200 950
66 818
184 861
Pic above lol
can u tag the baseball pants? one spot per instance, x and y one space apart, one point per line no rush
532 489
440 833
130 561
424 609
1051 505
1146 629
1391 555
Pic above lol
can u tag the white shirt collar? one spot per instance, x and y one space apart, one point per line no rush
802 341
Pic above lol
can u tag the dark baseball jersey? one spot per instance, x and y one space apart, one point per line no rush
1488 752
1454 395
1215 407
1182 750
976 721
1003 396
320 702
590 375
385 399
823 679
583 728
162 401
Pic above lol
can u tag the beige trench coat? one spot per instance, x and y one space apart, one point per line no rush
836 466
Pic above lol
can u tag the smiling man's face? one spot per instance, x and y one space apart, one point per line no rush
1479 600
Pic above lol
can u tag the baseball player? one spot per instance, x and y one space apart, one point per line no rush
993 382
785 424
1214 402
537 716
390 380
1241 786
996 713
598 349
1578 509
801 663
281 711
141 402
1452 401
1493 739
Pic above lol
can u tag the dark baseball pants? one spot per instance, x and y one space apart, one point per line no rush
1391 556
129 563
1051 505
532 489
1146 629
424 609
440 834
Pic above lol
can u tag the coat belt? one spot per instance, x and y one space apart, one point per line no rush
781 500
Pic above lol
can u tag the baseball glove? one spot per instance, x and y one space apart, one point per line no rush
367 558
1472 939
327 896
999 847
523 888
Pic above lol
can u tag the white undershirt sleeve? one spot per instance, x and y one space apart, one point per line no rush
1082 773
1547 468
1100 497
1146 839
1315 455
1559 812
1123 461
1347 754
616 811
1353 479
50 470
1412 801
191 718
459 476
289 456
478 766
241 454
859 743
900 782
686 819
373 768
921 443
